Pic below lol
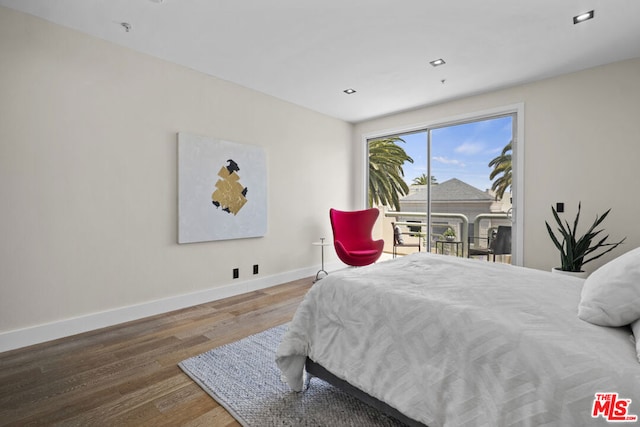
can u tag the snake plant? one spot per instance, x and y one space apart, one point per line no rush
576 251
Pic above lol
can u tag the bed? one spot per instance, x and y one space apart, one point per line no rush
450 341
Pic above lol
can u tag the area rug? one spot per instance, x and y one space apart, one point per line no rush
244 379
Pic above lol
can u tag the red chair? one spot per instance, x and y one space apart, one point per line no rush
352 236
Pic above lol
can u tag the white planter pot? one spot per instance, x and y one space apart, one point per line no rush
578 274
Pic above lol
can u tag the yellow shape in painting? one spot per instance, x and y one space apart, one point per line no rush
229 193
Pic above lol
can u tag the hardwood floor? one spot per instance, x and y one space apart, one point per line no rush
127 375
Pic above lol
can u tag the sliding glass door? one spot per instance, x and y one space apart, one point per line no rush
458 198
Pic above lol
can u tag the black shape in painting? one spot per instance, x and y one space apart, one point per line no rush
232 167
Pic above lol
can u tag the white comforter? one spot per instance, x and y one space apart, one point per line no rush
458 342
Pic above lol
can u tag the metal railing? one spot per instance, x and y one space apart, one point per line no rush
480 217
464 238
461 217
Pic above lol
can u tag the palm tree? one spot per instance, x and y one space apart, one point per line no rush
386 183
501 165
423 179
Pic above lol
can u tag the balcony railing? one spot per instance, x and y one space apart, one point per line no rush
461 218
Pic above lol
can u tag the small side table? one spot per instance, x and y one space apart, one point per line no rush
322 244
450 244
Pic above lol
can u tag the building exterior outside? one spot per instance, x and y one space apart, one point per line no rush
457 197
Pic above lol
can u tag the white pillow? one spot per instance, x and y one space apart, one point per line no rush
635 327
611 295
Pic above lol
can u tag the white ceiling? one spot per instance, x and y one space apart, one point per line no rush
307 52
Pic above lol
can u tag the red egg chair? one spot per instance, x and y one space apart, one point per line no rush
352 236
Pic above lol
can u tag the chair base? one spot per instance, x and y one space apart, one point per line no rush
404 245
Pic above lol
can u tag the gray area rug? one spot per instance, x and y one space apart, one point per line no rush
244 379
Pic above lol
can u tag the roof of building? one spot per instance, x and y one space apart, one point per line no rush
450 190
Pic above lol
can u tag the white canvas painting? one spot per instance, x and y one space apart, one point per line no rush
222 189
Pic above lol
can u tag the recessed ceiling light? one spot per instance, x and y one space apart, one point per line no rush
349 91
437 62
583 17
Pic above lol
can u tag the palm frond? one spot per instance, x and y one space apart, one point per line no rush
386 183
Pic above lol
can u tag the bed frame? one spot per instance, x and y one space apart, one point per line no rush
319 371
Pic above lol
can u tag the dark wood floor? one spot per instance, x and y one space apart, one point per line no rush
127 375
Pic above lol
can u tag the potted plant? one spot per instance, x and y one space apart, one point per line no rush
449 234
577 251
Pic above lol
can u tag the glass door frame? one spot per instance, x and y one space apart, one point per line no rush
517 186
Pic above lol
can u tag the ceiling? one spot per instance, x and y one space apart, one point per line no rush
308 52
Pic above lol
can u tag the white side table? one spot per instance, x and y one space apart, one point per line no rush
322 244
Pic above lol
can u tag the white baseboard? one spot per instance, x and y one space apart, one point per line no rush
50 331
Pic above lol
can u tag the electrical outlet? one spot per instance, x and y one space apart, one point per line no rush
255 268
559 207
236 273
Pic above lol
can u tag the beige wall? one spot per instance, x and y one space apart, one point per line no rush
88 176
582 143
88 170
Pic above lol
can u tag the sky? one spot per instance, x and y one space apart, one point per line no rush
461 151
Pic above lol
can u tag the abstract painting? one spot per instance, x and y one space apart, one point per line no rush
222 189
